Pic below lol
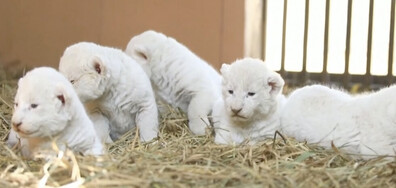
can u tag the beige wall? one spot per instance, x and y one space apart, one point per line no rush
35 33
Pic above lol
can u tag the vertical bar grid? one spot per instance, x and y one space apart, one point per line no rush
326 43
282 70
346 78
391 38
367 82
264 30
304 75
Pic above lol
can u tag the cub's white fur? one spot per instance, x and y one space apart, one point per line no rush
179 77
251 102
48 109
364 124
113 85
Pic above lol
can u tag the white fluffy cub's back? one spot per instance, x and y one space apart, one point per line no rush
250 104
362 124
176 72
179 77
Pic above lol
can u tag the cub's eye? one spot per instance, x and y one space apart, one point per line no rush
72 81
231 92
16 104
251 94
33 105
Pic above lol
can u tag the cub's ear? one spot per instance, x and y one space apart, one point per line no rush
98 65
140 52
276 82
20 81
62 94
224 68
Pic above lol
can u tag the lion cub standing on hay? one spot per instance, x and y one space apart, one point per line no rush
179 77
113 84
363 124
251 102
47 109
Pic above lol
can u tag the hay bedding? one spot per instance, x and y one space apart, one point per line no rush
179 159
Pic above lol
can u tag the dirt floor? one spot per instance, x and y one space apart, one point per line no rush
179 159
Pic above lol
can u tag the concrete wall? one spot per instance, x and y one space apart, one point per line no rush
35 33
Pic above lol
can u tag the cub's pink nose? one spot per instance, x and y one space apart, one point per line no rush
16 124
236 111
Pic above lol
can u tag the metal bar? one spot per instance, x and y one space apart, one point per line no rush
367 82
325 76
346 78
391 41
264 31
304 76
377 81
282 70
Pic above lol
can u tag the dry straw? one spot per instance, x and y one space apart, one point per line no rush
179 159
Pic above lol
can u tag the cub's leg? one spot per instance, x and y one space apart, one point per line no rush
198 110
223 136
102 127
13 138
147 122
97 148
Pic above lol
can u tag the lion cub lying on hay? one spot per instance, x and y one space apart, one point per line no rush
251 102
47 109
179 77
114 85
364 124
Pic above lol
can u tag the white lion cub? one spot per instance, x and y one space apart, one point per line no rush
363 124
112 83
251 103
179 77
48 109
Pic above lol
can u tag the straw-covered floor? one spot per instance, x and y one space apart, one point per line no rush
179 159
